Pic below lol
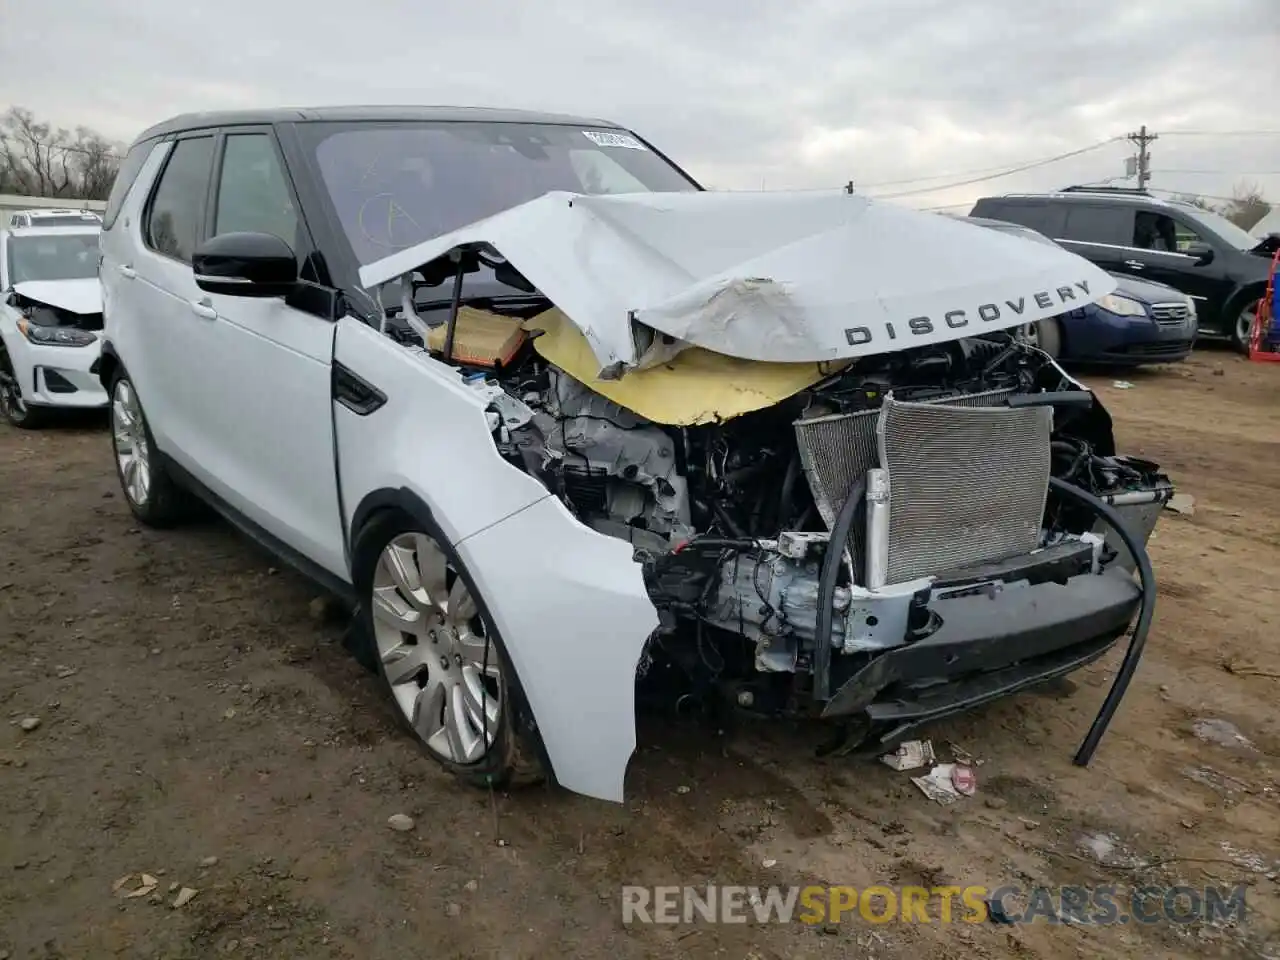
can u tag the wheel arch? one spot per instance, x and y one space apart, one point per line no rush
413 507
108 363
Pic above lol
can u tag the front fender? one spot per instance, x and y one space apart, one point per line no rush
574 616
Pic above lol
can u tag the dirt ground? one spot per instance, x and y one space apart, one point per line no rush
191 707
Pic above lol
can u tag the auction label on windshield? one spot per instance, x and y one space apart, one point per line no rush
602 139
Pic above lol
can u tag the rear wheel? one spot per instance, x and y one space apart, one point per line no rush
12 405
1242 330
438 655
153 495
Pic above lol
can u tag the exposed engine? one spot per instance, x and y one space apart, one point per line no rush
46 315
732 520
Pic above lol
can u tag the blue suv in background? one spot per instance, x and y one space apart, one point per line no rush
1140 322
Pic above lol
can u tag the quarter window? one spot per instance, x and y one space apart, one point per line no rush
253 196
177 208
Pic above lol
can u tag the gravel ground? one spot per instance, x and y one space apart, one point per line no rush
200 722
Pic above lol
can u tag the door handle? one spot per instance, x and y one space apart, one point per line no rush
1134 264
127 271
203 309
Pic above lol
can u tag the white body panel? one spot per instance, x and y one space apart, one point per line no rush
768 276
575 618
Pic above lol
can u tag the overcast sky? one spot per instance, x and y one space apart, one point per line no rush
806 93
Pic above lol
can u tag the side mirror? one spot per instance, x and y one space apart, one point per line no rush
245 265
1201 251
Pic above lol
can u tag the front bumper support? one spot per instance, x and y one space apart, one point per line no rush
990 644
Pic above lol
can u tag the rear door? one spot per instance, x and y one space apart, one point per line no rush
1101 233
150 307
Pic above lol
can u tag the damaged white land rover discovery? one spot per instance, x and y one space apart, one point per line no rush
559 423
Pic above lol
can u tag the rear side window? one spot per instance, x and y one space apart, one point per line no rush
130 167
174 218
1087 223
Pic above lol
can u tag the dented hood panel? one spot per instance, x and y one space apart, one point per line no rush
785 277
75 296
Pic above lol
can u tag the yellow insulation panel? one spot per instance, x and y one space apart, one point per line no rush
696 386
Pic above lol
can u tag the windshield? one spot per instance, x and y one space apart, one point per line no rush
67 256
1228 231
394 185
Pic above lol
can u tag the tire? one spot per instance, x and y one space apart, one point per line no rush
1242 324
12 404
438 656
1045 334
153 495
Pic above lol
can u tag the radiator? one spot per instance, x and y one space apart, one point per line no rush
967 479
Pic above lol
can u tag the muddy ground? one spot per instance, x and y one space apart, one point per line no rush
191 707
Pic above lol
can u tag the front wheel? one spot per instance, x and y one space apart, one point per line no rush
438 655
1242 329
12 405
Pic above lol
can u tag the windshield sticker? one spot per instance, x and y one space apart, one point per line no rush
602 139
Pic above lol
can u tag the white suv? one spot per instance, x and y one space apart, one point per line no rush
561 426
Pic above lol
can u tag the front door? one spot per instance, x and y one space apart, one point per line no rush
262 374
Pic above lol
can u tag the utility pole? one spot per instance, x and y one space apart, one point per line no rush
1142 138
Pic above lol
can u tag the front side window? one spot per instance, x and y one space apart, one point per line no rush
177 209
253 196
55 256
394 185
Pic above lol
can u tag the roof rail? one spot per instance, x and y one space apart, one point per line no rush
1085 188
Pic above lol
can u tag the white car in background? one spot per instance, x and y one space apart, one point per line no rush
56 217
50 319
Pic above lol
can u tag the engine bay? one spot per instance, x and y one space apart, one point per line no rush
723 516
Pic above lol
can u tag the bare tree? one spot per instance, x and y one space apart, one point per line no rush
1247 205
1195 201
39 160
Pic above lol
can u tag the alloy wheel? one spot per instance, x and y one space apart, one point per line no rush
1244 323
442 669
129 436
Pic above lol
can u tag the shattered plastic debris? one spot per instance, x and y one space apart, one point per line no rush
1183 503
184 897
146 885
1122 385
910 755
947 782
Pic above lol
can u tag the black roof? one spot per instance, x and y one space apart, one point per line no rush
196 121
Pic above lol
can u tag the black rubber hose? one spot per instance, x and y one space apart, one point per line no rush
788 490
1139 639
840 531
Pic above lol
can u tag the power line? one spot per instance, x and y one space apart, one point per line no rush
1003 173
1228 173
1222 133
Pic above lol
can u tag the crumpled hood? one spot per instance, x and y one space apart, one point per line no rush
793 277
75 296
